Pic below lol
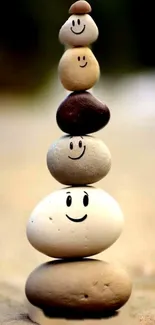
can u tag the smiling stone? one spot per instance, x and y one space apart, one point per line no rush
75 222
79 30
78 160
79 62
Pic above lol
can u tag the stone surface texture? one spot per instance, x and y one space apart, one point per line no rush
75 222
78 160
81 113
79 62
83 286
80 7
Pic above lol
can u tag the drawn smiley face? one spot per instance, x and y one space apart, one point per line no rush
74 146
85 204
77 27
78 30
84 63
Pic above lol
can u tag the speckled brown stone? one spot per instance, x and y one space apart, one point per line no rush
81 113
80 7
86 285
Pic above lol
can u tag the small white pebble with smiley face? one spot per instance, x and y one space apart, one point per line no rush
79 30
78 160
75 222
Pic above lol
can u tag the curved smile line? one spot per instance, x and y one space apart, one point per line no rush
80 155
83 66
77 220
78 33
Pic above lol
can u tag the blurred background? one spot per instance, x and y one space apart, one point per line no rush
30 93
30 51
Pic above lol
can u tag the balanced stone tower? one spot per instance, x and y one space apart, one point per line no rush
79 220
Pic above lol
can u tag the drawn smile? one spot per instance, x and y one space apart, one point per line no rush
78 33
79 156
77 220
83 66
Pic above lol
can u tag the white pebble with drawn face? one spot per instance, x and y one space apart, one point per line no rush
75 222
79 30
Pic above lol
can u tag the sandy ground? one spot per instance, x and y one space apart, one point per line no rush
25 136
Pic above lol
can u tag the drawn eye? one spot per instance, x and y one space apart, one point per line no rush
78 58
69 201
73 23
86 200
84 58
78 21
80 144
71 146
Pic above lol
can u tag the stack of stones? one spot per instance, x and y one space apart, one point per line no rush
79 220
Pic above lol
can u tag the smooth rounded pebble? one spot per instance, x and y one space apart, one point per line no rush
78 69
78 30
80 7
75 222
81 113
78 160
88 285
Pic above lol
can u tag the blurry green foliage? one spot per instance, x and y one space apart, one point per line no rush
29 47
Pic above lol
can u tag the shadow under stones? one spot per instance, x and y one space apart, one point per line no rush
76 315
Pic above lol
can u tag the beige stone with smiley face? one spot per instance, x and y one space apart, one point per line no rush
78 69
78 160
79 30
75 222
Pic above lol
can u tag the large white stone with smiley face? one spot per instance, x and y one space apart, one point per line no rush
78 69
78 160
79 30
75 222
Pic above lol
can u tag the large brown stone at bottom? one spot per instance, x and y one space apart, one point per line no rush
79 285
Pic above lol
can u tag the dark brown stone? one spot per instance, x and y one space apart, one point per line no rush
81 113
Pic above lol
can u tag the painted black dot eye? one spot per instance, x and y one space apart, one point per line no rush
84 58
78 21
73 23
71 146
69 201
86 200
78 58
80 144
